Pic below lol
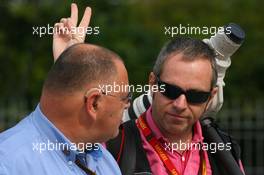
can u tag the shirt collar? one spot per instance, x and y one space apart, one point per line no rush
152 125
197 134
55 136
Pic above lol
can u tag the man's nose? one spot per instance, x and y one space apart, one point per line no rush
180 103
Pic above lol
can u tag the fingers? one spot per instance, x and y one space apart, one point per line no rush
67 22
74 14
67 27
63 20
61 29
86 18
58 27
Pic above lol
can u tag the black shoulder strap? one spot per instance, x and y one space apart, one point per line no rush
236 152
146 101
216 165
127 149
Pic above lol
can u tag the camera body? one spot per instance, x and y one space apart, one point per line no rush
225 43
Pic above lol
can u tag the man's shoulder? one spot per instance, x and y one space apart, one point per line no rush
19 149
18 138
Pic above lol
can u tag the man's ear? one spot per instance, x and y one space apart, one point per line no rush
92 100
213 93
152 79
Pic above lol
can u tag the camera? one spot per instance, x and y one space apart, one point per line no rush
225 43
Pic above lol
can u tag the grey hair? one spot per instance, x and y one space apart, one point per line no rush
191 49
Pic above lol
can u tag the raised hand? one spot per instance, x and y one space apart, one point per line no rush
67 33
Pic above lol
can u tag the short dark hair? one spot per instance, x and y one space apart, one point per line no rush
191 48
80 65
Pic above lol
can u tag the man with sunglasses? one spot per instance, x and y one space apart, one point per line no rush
168 138
185 71
186 67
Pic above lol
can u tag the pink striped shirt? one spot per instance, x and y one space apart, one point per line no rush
187 163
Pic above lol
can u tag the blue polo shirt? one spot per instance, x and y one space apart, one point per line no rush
35 146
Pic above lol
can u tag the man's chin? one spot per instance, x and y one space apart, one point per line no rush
177 129
115 134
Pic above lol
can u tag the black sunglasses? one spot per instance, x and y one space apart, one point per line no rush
173 92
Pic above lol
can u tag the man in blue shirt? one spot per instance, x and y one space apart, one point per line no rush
63 135
75 114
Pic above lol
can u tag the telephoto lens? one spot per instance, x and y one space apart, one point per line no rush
225 43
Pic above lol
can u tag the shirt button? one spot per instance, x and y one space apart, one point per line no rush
183 158
70 163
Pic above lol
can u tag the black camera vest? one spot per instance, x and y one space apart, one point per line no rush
127 149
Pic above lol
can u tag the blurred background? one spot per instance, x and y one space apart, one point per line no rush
135 30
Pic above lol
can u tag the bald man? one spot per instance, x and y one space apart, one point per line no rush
63 134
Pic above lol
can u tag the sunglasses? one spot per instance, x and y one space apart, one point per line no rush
173 92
